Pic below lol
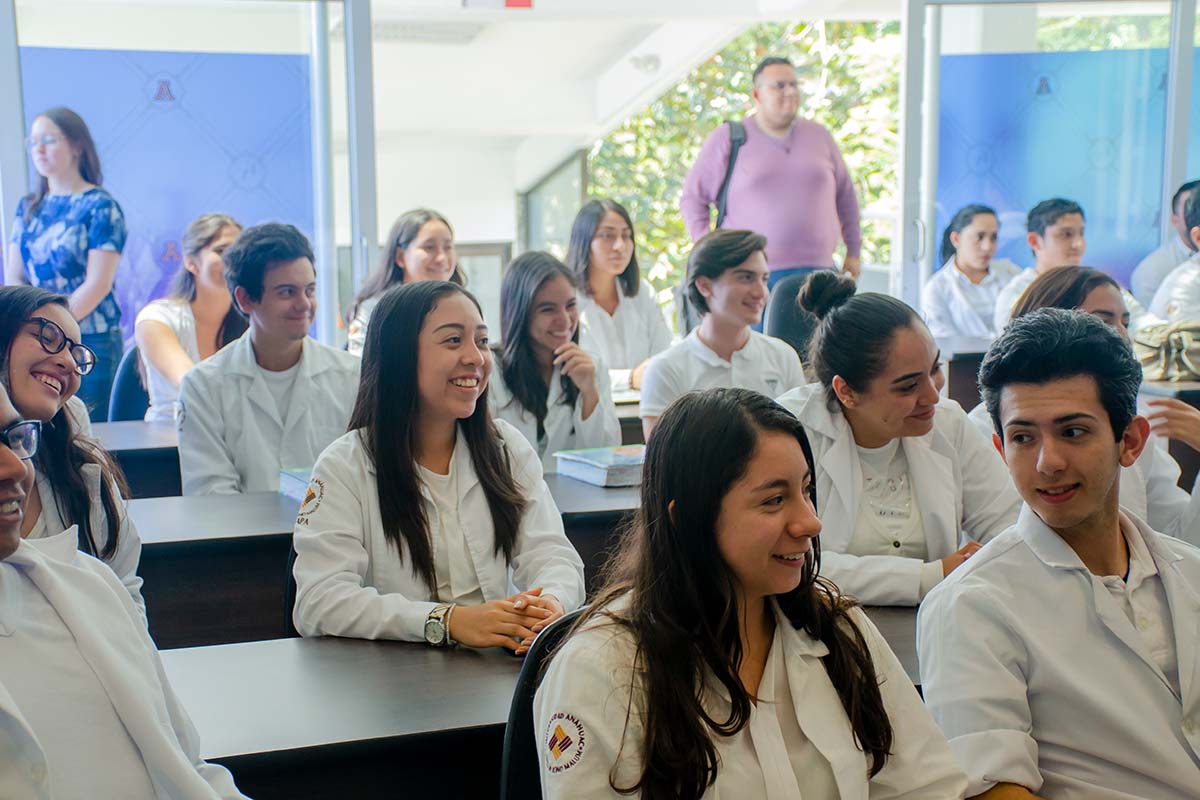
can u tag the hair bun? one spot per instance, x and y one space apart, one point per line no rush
824 291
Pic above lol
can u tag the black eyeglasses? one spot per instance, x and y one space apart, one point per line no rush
22 438
53 339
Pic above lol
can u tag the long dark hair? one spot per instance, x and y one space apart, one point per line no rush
386 416
682 607
78 135
201 233
523 279
1066 288
579 251
63 451
854 336
961 219
389 273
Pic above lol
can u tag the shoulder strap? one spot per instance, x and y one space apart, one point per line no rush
737 138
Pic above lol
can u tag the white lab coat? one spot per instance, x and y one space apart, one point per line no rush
1037 676
351 582
633 333
958 481
1178 297
231 439
564 425
129 544
1149 489
946 300
587 689
1151 270
112 638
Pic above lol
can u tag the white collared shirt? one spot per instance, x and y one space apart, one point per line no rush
87 748
1178 297
1037 676
764 364
955 306
1009 295
634 332
1151 270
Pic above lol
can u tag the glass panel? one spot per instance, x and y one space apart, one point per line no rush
550 208
484 266
1051 100
195 106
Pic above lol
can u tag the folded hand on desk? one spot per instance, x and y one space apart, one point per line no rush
511 622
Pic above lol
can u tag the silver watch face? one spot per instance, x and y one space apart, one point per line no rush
435 632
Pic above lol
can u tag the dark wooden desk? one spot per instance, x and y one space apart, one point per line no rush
215 567
148 452
962 357
323 718
631 423
1188 392
318 718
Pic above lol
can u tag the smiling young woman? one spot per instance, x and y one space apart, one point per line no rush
420 518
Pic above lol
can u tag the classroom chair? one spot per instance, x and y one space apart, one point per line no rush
520 772
289 596
786 320
128 399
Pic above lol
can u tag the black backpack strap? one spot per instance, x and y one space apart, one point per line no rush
737 138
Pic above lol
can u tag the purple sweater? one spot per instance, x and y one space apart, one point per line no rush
795 191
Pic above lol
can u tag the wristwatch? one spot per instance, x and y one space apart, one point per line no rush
437 626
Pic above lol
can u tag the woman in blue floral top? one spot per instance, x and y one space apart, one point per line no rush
68 238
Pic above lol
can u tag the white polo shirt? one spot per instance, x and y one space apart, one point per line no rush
634 332
764 364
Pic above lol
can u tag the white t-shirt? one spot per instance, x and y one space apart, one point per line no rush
280 384
452 562
1009 295
177 316
56 689
636 331
1152 269
764 364
1178 297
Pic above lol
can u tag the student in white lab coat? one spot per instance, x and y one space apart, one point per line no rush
85 707
1150 486
420 248
906 486
716 662
543 383
196 318
430 521
1055 231
1151 270
727 284
274 398
1178 298
1062 661
78 483
960 298
622 322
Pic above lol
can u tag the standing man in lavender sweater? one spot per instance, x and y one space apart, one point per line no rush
789 184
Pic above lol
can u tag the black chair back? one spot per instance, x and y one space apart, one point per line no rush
520 771
289 596
787 321
128 399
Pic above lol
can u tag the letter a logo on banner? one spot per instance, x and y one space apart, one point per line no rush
163 95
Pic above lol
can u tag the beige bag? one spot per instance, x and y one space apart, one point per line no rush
1169 352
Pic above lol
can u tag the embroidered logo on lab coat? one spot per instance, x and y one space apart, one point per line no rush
565 740
312 501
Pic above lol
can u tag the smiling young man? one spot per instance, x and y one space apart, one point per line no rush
727 283
1061 661
85 707
274 398
1055 234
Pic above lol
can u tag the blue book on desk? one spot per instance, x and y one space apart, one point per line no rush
604 466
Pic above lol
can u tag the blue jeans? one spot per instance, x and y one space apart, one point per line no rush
776 276
95 387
